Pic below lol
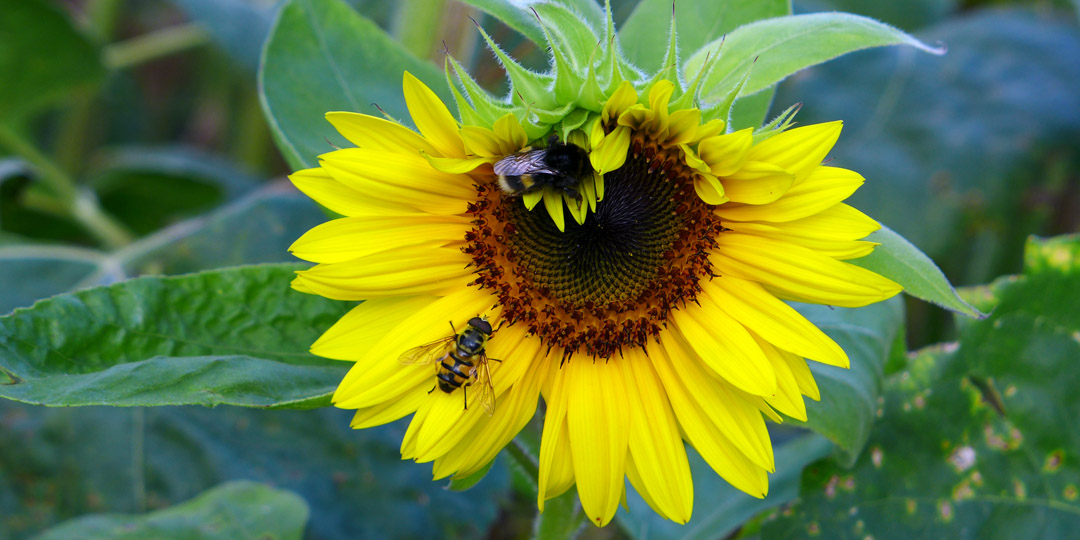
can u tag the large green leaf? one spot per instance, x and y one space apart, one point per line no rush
644 36
236 336
258 228
776 48
902 262
977 439
238 26
719 509
32 272
60 463
963 172
849 397
43 58
323 56
232 511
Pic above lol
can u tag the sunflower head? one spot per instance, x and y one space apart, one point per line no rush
652 317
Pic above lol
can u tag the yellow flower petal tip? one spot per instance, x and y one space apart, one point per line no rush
634 283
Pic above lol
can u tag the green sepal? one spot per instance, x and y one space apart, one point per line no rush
487 107
533 88
466 112
722 109
567 32
592 96
572 121
612 62
554 116
669 69
689 98
568 82
778 124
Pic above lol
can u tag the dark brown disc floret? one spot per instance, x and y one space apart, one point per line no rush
607 284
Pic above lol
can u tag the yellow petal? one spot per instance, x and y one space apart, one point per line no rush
431 117
682 127
407 271
481 141
636 117
390 410
803 376
710 129
731 410
599 426
709 440
823 188
798 272
726 153
773 320
399 179
318 184
788 399
798 150
837 249
610 154
642 489
347 238
553 203
510 133
458 165
655 444
488 437
379 374
372 132
365 324
709 189
623 97
659 96
556 462
757 182
725 346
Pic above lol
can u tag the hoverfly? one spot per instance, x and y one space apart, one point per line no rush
461 361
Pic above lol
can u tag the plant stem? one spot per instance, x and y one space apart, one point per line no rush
154 45
526 461
80 204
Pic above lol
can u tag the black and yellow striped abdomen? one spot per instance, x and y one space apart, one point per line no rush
454 370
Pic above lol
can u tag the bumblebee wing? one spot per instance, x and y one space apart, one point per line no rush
483 384
428 353
531 162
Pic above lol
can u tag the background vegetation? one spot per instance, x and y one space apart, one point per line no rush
136 144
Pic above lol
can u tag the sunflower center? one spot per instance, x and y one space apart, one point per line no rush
608 283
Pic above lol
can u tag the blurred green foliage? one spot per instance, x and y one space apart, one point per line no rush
133 142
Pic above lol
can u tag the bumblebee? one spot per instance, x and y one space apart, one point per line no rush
560 165
461 361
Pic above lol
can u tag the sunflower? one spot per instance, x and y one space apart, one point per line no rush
653 317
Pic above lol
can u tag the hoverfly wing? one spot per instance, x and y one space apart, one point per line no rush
482 382
428 353
531 162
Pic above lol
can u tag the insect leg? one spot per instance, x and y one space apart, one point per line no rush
465 392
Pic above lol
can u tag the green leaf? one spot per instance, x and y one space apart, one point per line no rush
239 27
977 438
910 15
902 262
233 511
236 337
323 56
918 128
177 182
719 509
43 58
750 111
462 484
644 35
562 518
784 45
121 460
38 271
512 14
849 397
